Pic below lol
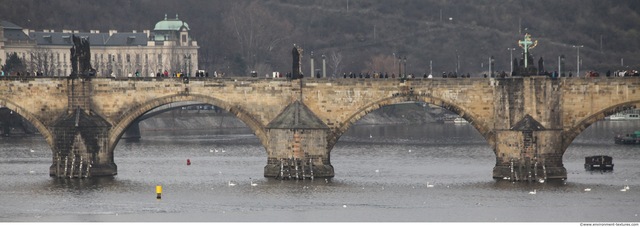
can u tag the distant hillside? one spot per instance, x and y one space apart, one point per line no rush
240 36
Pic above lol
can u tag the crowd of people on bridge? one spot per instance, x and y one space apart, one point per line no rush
362 75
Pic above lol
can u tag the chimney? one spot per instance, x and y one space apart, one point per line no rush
45 30
146 31
134 31
66 31
75 31
111 32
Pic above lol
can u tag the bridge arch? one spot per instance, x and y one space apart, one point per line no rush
472 118
134 113
573 132
43 129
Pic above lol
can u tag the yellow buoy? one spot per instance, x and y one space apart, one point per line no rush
159 191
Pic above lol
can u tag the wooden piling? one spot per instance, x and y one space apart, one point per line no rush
66 160
80 168
295 163
512 176
57 166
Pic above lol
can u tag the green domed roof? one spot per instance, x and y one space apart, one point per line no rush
170 24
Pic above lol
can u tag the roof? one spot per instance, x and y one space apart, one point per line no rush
170 24
15 35
78 118
95 39
306 119
13 31
527 123
9 25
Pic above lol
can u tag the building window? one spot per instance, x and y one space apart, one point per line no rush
159 58
184 38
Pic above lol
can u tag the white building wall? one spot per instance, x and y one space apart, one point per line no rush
141 58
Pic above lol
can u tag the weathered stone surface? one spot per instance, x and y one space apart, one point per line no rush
563 107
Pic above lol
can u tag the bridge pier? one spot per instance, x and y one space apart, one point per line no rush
528 129
133 132
81 146
297 146
529 155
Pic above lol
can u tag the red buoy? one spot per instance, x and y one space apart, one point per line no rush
188 162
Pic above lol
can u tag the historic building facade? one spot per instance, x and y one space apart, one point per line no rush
169 46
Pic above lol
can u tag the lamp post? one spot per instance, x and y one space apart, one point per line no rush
511 59
187 58
399 66
578 65
312 69
491 60
394 62
561 66
405 65
430 68
324 67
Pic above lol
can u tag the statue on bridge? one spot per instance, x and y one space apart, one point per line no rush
80 57
526 67
297 62
540 66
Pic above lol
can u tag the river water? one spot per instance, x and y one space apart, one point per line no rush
381 172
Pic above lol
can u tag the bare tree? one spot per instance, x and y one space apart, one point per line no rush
178 61
42 60
335 58
258 32
381 63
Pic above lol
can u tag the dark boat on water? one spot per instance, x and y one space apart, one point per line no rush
598 162
628 139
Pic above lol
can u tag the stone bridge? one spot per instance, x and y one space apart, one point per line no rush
528 121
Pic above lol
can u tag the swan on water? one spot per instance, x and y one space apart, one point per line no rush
587 189
623 190
231 184
626 187
533 192
429 185
32 150
253 184
370 136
